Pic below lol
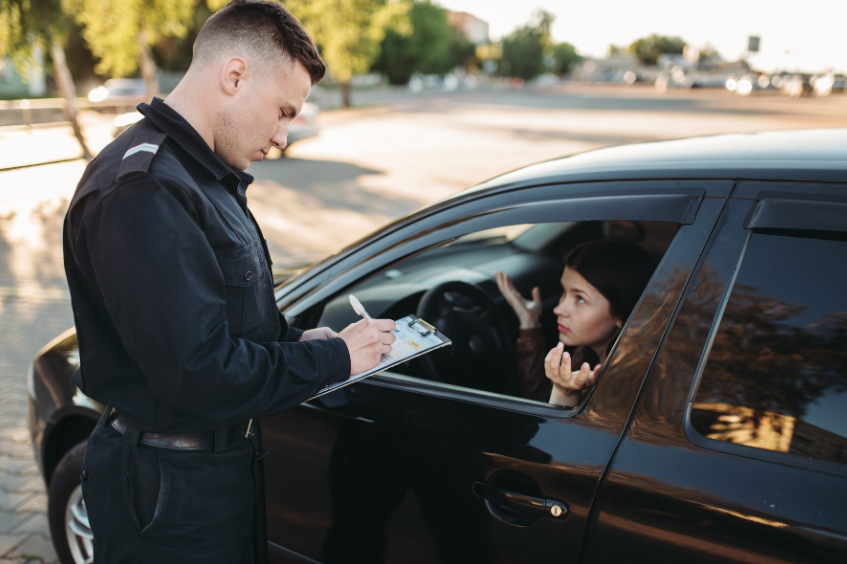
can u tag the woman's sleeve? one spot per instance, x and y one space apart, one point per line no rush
532 383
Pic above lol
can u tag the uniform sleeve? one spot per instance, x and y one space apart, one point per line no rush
288 334
165 295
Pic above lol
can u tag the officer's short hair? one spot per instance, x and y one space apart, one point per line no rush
262 30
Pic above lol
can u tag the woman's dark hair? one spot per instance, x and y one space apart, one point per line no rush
620 270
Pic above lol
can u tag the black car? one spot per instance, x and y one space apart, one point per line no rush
717 430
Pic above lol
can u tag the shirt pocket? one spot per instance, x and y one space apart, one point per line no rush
242 272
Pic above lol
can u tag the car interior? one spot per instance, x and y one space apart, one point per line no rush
453 287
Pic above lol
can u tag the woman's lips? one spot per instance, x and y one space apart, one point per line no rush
563 329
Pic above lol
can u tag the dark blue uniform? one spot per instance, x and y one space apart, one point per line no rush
179 332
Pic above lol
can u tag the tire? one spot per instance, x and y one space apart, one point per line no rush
66 510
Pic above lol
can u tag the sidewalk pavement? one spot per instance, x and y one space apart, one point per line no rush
28 324
24 532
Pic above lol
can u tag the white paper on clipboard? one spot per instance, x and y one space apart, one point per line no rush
411 342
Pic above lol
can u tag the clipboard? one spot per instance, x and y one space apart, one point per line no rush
415 337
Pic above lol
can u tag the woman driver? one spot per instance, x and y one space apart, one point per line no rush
602 282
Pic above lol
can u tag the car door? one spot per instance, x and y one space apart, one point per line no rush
738 449
398 469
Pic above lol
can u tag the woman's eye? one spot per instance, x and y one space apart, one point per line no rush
580 300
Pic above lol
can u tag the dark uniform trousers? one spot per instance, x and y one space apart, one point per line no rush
179 332
160 506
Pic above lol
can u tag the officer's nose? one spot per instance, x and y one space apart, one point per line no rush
280 137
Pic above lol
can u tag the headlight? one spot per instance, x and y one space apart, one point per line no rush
98 94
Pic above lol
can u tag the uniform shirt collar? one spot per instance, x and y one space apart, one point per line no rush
171 122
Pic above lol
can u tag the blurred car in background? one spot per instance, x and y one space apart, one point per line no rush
118 88
303 126
797 86
828 83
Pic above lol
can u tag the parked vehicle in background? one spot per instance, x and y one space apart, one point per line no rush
798 85
716 431
828 83
118 88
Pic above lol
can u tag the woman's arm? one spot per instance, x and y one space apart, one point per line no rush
529 353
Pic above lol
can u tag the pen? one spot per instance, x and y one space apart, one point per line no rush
358 307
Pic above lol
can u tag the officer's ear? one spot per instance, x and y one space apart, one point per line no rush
233 73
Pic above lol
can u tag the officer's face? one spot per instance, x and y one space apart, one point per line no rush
259 116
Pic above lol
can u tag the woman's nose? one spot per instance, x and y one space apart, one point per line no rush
561 309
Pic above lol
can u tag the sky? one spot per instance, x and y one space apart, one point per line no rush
808 35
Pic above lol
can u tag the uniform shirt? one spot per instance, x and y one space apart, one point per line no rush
172 292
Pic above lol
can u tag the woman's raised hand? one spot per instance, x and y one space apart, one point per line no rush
528 311
567 384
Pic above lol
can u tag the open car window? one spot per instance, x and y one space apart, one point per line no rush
453 286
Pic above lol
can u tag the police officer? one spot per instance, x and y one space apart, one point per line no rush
178 330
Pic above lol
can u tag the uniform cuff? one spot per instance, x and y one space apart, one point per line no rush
292 335
334 360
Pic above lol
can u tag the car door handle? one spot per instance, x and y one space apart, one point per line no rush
541 506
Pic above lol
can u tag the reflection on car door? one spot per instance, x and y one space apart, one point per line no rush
396 469
738 450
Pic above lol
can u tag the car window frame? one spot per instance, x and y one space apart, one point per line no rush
815 195
682 198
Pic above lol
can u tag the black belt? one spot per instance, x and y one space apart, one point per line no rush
210 440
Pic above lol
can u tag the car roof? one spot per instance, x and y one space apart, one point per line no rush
807 155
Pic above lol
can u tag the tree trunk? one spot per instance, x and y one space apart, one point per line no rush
66 87
345 94
148 67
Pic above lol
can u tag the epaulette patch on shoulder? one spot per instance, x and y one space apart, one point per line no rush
140 154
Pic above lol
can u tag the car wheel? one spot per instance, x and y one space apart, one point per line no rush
66 511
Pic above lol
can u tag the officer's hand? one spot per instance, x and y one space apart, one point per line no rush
318 333
367 340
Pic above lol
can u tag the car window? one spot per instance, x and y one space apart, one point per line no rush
470 309
776 376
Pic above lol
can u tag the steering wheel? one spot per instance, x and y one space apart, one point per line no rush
481 355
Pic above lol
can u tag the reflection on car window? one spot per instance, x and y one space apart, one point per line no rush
504 234
776 377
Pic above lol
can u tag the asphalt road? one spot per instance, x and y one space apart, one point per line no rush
367 167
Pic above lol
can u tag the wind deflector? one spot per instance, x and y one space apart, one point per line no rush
792 211
674 207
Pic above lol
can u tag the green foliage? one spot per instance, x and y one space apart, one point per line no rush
432 47
349 32
564 55
26 23
113 28
648 49
175 53
708 53
524 48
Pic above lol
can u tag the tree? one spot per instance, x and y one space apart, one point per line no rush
427 49
25 23
648 49
524 49
121 32
564 55
349 32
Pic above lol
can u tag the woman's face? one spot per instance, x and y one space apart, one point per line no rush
585 315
